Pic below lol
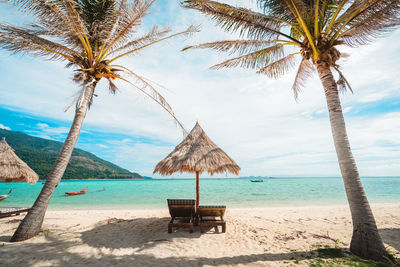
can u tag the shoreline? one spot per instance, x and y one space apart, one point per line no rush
231 207
272 236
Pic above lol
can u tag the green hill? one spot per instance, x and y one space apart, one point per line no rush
40 154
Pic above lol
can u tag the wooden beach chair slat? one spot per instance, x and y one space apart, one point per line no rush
212 216
182 210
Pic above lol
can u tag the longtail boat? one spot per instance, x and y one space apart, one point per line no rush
80 192
2 197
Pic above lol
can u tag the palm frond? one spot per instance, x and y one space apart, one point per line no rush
112 88
95 12
148 90
129 18
253 60
233 46
373 22
252 24
114 24
276 8
343 14
279 67
47 12
308 9
342 82
79 27
316 20
296 6
154 35
27 41
327 11
144 78
389 9
188 32
85 33
306 70
53 18
99 17
75 98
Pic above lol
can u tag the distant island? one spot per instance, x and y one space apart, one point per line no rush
40 154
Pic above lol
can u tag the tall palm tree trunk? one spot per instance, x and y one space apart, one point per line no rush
31 224
366 241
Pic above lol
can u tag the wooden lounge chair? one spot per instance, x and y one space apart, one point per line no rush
182 210
10 211
212 216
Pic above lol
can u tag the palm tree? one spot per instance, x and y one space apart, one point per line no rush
310 31
90 36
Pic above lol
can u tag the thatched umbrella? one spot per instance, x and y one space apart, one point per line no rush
12 168
196 154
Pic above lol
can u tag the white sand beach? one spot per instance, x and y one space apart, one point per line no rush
255 237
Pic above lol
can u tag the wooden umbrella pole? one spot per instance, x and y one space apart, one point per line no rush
197 190
196 221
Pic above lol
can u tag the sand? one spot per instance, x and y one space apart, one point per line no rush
255 237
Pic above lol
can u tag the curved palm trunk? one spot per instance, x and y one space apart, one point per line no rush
365 241
31 224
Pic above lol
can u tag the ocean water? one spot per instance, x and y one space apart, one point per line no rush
125 194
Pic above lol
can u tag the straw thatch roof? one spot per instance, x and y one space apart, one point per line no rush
197 153
12 168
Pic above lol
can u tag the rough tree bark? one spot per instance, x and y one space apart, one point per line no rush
366 241
31 224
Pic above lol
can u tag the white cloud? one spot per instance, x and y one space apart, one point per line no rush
43 130
347 109
4 127
46 129
102 146
42 125
254 119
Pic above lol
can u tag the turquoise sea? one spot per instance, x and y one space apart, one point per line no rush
125 194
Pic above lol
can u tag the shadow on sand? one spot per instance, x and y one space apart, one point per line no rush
59 253
141 233
64 249
391 236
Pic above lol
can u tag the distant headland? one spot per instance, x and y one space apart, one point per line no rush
40 154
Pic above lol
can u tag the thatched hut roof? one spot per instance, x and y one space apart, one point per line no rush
12 168
197 153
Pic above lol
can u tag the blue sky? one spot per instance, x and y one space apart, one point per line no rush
254 119
94 139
